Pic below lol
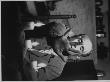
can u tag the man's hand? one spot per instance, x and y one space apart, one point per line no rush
34 65
37 65
74 53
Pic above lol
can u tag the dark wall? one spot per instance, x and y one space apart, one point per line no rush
11 47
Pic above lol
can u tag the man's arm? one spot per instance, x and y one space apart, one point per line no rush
52 70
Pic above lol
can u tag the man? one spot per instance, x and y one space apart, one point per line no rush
47 62
40 61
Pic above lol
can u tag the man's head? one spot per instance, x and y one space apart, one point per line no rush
82 43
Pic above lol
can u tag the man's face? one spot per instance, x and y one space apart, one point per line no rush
77 44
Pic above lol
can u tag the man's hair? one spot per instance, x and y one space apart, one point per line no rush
87 44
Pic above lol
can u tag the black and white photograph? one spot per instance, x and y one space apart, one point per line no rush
55 40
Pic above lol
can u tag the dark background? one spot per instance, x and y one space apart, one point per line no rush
10 42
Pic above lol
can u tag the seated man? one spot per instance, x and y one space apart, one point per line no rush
47 62
67 46
40 61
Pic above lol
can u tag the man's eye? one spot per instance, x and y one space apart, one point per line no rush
79 40
68 38
82 48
